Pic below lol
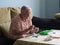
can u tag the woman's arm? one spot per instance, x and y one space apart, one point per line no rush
33 29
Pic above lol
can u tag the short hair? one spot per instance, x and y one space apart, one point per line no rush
28 9
25 8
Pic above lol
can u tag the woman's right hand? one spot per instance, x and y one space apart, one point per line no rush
34 29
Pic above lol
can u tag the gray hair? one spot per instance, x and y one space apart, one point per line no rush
28 9
25 8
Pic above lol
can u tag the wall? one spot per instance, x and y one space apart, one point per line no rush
35 4
52 7
48 8
59 5
42 8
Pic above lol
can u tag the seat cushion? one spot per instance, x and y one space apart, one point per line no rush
5 28
5 20
4 15
14 11
57 15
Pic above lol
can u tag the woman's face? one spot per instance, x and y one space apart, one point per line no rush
25 14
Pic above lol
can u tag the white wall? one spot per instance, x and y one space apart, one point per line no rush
52 7
42 8
48 8
35 4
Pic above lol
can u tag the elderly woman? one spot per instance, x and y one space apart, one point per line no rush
21 25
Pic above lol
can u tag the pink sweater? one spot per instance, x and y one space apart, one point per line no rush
18 26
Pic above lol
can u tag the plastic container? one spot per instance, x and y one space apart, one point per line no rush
46 32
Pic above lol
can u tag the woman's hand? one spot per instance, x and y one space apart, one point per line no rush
30 31
34 29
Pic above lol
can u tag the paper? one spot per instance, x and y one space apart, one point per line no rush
55 33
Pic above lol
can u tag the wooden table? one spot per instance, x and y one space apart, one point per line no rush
37 41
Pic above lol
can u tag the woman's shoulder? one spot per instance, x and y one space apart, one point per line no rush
16 18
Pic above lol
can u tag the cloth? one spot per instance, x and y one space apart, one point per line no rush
18 26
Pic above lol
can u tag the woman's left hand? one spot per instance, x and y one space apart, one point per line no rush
36 29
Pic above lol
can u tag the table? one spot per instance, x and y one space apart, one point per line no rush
37 41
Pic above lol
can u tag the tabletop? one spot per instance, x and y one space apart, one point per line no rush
40 40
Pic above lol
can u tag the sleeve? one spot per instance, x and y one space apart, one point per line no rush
15 30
